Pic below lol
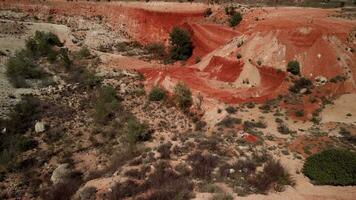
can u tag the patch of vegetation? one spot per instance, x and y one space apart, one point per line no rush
299 113
158 50
293 67
273 174
157 94
302 83
105 105
207 12
21 67
22 118
181 44
222 196
337 79
331 167
183 96
235 19
229 122
137 131
203 164
252 124
231 109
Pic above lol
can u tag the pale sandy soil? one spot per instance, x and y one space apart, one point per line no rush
338 112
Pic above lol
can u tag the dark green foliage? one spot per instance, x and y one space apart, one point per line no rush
63 54
208 12
332 167
24 115
299 113
84 52
84 77
20 120
138 132
42 43
229 122
21 67
235 19
105 105
157 94
181 45
300 84
231 110
203 164
253 124
183 96
158 50
293 67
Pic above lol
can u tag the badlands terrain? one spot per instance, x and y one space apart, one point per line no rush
177 100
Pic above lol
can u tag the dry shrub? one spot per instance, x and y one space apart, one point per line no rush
203 164
273 174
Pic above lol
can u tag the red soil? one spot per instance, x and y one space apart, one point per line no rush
251 138
308 35
307 146
223 69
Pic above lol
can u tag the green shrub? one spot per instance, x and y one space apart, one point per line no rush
157 94
273 173
157 50
21 67
42 43
222 196
208 12
235 19
293 67
300 84
181 44
105 105
332 167
231 109
84 52
183 96
137 132
229 122
238 56
84 77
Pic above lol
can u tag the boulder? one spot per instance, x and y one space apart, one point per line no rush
61 173
40 127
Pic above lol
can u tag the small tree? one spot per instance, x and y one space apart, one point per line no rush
181 45
293 67
183 96
106 104
157 94
235 19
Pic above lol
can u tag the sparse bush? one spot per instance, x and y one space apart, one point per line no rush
181 45
84 52
165 150
272 173
238 56
300 84
222 196
183 96
84 77
208 12
157 50
197 60
229 122
157 94
331 167
137 131
21 67
105 105
203 164
251 124
42 43
283 129
235 19
299 113
231 109
293 67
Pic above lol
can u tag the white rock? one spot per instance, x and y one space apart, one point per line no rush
39 127
231 171
61 173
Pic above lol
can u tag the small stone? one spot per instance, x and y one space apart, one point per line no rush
40 127
231 171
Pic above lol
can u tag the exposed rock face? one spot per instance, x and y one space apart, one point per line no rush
61 173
